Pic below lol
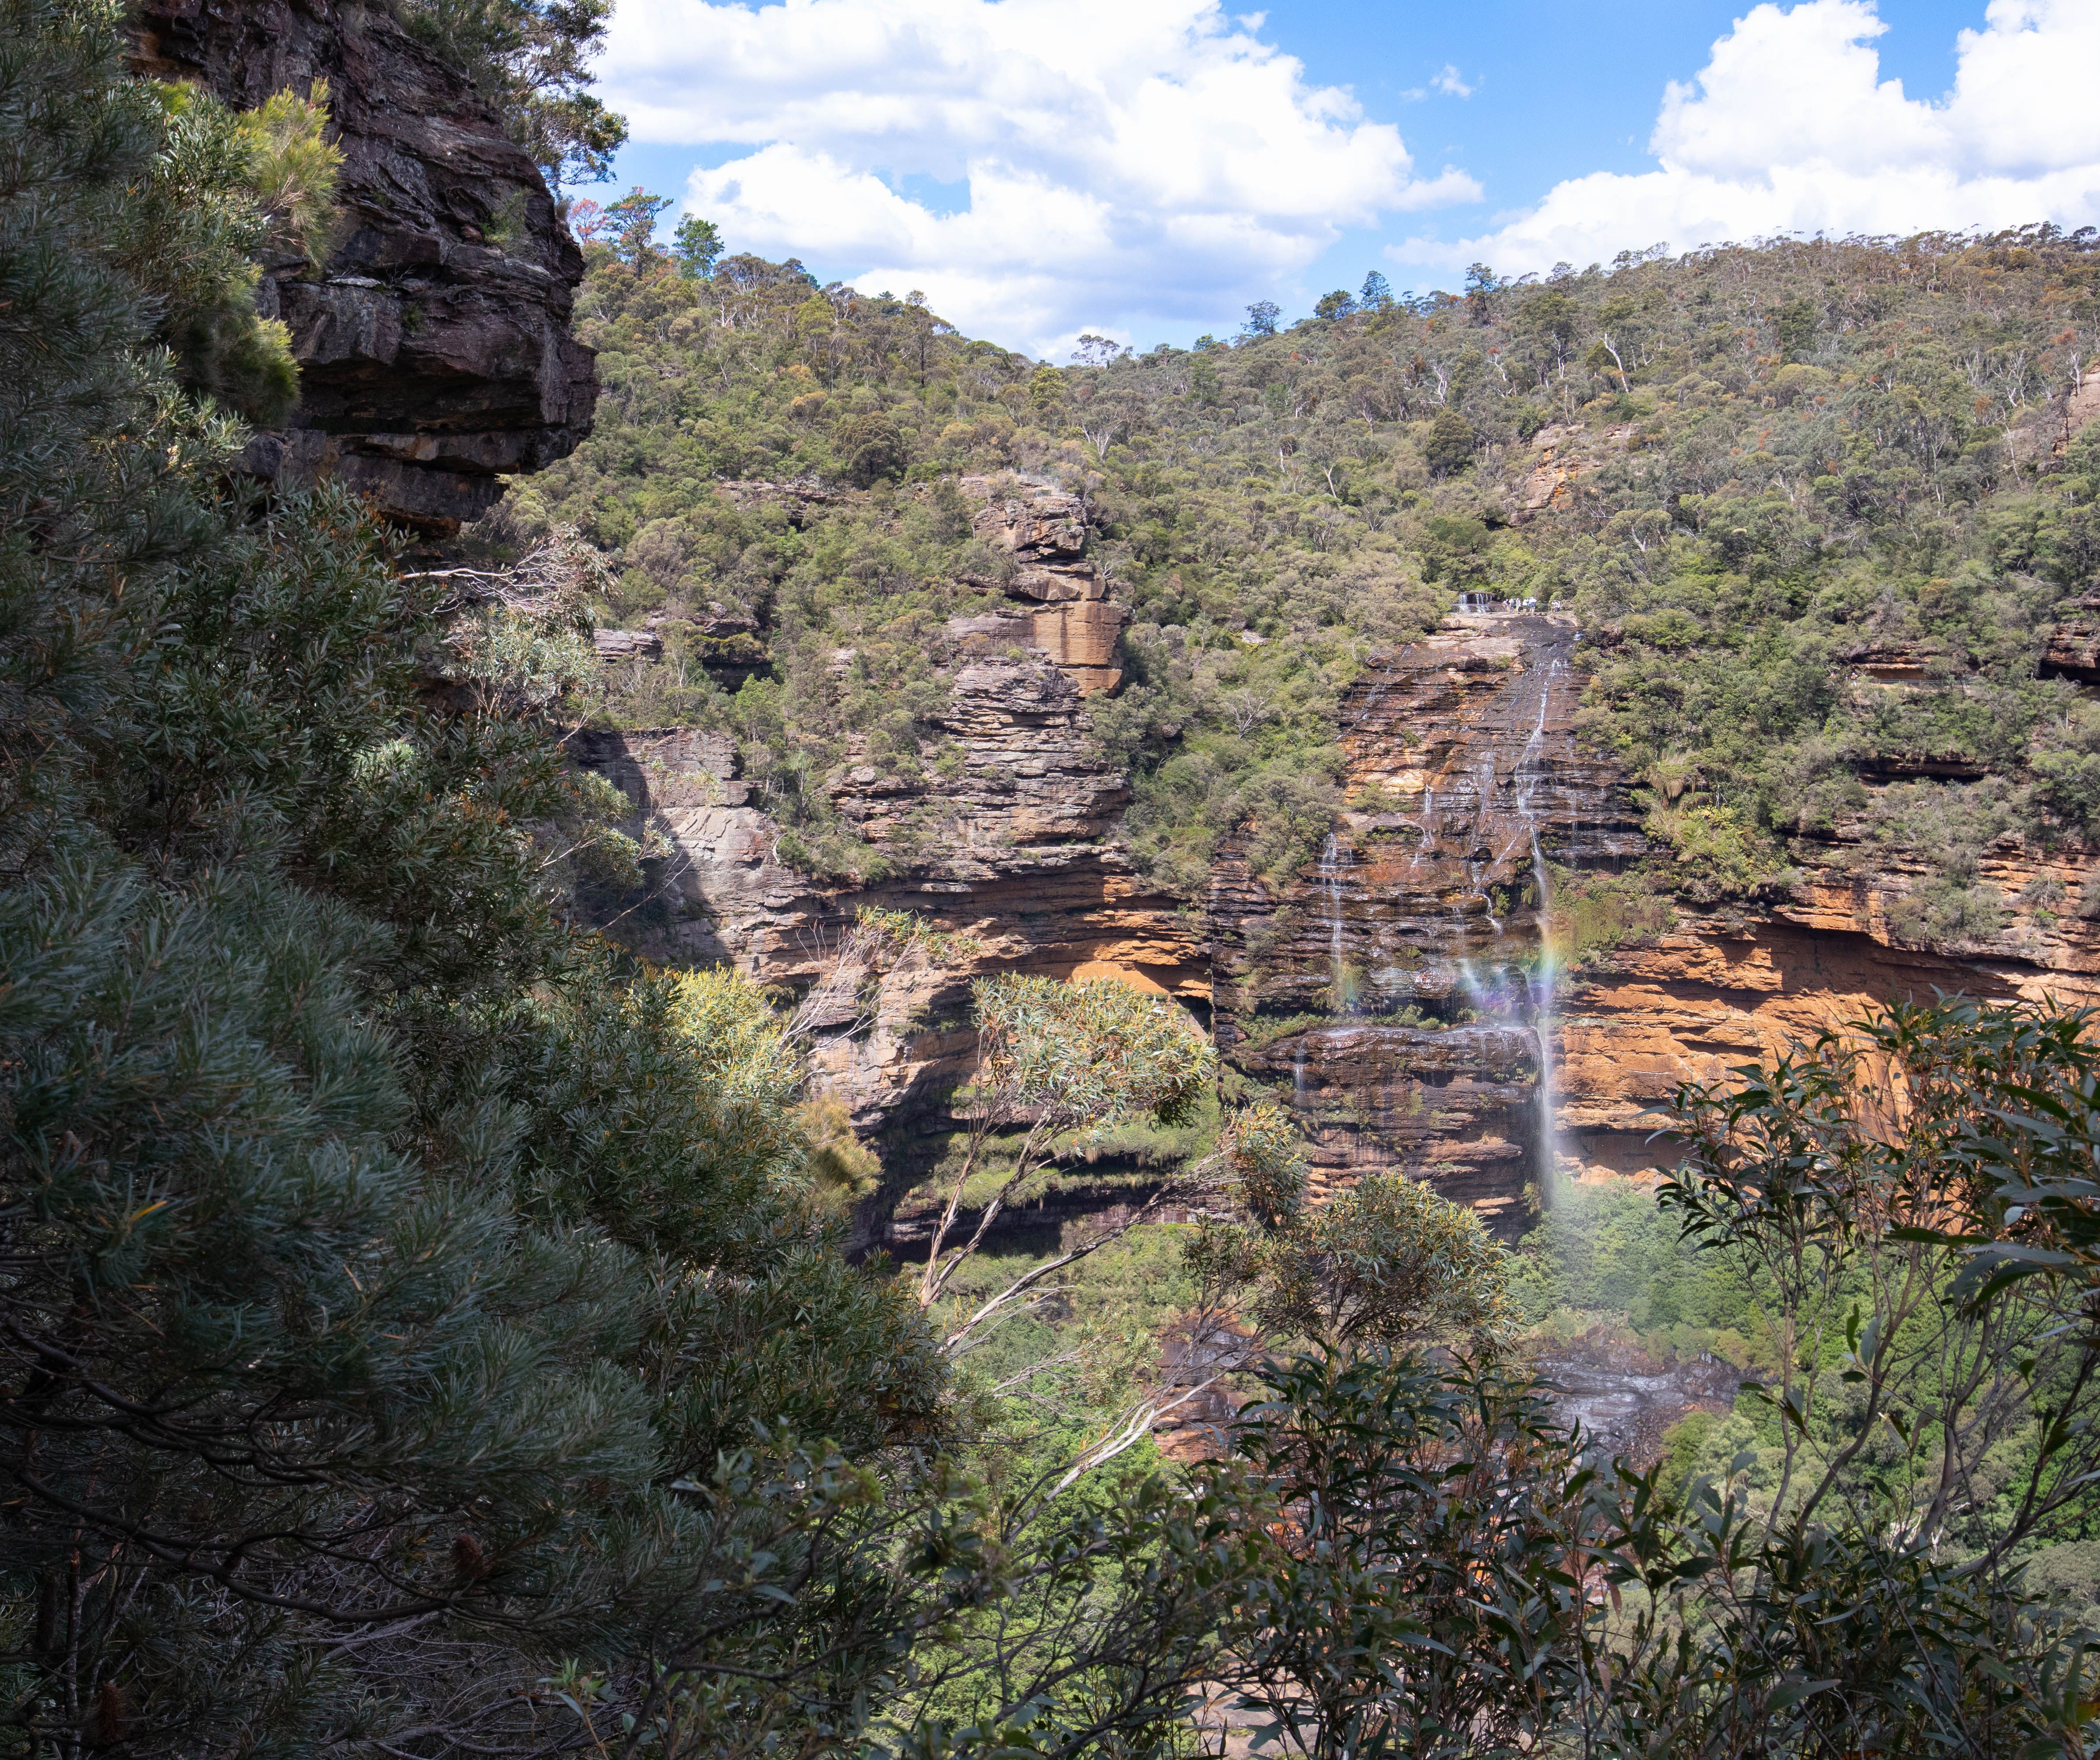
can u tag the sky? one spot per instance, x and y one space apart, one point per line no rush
1146 168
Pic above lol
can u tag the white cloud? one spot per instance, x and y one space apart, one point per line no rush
1790 127
1450 82
1150 160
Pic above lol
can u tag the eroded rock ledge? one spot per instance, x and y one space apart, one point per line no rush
435 349
1406 994
1018 848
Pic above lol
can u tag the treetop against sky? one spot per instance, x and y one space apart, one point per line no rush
1042 170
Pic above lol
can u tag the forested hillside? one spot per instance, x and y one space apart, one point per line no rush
428 1331
1747 471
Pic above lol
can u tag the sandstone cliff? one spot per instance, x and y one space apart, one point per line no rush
1422 995
1043 529
1722 986
1017 849
434 349
1419 1007
1412 996
1396 995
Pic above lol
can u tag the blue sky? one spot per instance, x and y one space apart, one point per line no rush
1146 167
1556 90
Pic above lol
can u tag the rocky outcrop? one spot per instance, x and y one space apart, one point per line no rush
1457 1105
1562 457
434 351
1007 831
1712 993
1043 529
2073 647
1017 848
1722 987
1411 999
616 645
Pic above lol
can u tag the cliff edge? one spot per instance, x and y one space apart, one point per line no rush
434 349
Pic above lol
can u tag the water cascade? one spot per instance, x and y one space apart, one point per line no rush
1531 773
1341 989
1432 985
1409 972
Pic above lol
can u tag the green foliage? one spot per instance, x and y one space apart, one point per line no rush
1414 1602
383 1251
1837 1569
1603 1248
634 221
871 449
294 171
1746 525
844 1168
1385 1263
1058 1059
415 1311
1093 1053
196 225
1885 1200
1594 913
1449 449
532 60
698 245
749 373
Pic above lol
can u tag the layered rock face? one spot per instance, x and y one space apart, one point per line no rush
1407 995
1404 992
1045 530
1016 849
1396 995
1715 992
434 351
1722 987
1016 846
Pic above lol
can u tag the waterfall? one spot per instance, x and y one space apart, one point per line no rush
1420 918
1542 1003
1341 999
1544 982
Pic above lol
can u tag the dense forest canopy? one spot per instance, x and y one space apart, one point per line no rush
1743 468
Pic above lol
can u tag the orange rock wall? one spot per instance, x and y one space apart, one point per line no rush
1694 1004
1395 990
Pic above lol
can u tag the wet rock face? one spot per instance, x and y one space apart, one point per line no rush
435 349
1399 992
1457 1106
1416 945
